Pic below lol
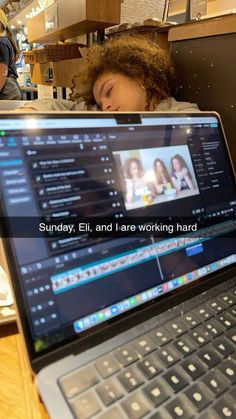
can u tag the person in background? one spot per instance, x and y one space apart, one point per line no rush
125 73
9 53
180 176
162 177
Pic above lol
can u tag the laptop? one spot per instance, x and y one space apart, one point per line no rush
132 325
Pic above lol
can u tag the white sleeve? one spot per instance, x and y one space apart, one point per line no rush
58 105
172 105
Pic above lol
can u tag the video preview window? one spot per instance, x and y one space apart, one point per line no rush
153 176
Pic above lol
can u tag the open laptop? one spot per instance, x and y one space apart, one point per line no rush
135 325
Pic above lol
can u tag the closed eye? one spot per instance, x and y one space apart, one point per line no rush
108 92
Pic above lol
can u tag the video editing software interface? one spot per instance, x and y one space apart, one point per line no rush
74 167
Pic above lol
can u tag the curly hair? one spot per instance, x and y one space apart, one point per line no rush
132 56
127 167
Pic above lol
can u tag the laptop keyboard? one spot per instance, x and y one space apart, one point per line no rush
184 368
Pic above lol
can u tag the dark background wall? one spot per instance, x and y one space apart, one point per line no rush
206 71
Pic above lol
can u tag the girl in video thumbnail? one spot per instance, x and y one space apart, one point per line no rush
162 177
180 176
134 179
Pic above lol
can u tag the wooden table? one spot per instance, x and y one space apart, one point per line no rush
162 198
18 394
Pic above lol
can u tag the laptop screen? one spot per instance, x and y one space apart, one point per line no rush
68 167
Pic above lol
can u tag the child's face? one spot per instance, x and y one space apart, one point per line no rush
159 166
134 170
114 92
176 165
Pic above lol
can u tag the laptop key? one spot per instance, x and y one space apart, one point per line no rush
107 365
130 379
226 320
225 407
113 413
150 366
233 356
161 336
175 379
86 406
216 382
213 327
209 356
180 408
157 392
168 355
228 369
199 335
78 381
208 414
126 355
223 346
193 367
109 391
231 335
231 394
177 327
217 305
199 396
192 319
204 311
233 292
232 311
184 345
228 299
144 345
136 406
162 414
